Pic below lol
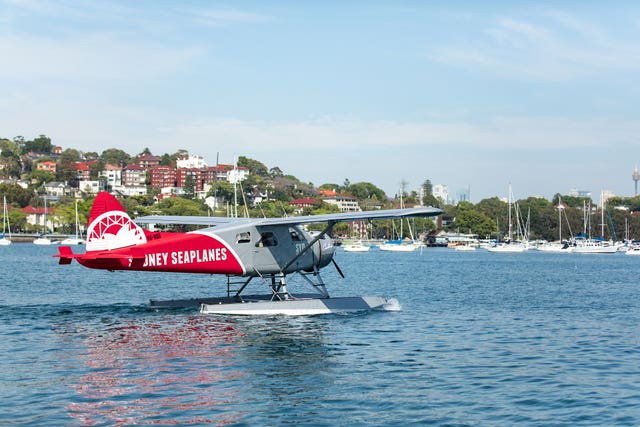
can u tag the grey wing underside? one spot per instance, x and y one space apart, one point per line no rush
210 221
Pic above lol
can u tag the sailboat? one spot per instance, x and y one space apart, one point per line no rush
400 245
510 246
586 244
357 244
6 227
77 239
43 240
560 246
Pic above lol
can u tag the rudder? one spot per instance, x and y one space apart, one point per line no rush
110 227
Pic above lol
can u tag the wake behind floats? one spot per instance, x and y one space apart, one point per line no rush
242 249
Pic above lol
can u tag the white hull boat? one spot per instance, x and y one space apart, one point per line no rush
594 247
72 241
508 248
42 241
356 247
633 250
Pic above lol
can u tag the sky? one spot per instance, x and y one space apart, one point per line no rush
539 95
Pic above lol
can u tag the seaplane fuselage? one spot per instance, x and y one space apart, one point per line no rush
115 242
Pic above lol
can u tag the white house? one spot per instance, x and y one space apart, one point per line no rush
113 175
344 203
191 162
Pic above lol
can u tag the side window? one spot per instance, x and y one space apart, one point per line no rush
243 237
267 239
295 235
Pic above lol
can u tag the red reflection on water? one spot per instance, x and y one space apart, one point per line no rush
175 372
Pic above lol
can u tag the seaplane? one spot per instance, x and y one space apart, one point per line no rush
246 250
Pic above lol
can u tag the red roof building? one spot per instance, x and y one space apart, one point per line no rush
133 176
162 176
147 161
303 203
196 174
47 166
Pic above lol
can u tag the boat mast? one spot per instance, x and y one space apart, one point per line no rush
510 222
560 219
77 221
602 214
5 217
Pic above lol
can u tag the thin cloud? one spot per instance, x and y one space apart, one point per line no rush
563 48
94 57
226 17
524 134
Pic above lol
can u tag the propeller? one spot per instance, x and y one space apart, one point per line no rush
337 267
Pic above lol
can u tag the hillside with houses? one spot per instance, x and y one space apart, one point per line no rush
35 173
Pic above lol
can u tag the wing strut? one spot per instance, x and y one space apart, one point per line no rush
308 245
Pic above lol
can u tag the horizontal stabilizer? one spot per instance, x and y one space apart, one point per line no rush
65 254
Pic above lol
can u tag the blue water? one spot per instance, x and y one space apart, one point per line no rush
486 339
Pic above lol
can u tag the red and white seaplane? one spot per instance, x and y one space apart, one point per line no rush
243 249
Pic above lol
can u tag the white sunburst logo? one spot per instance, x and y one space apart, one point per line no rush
113 230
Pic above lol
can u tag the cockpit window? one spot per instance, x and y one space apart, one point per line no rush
267 239
243 237
295 235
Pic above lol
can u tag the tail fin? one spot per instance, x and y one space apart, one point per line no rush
110 227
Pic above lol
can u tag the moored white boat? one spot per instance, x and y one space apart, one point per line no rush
593 246
508 248
398 246
464 248
356 247
75 239
554 247
633 250
72 240
43 241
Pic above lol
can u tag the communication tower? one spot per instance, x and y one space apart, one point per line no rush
636 178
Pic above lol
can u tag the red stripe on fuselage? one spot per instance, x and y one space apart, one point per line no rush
171 252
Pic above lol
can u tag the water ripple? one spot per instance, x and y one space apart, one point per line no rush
533 340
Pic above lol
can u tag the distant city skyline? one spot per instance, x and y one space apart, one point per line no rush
542 95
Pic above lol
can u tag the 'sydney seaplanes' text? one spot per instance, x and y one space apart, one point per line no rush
161 259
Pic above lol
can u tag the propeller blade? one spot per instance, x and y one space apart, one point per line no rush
337 267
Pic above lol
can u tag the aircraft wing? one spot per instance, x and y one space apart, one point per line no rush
209 221
310 219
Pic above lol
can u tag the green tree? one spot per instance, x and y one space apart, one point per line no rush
275 172
17 219
166 160
16 195
180 206
472 221
39 177
189 187
41 144
222 190
66 165
255 167
10 165
427 188
366 190
115 156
